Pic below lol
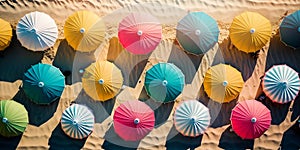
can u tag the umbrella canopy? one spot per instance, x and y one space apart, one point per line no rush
250 31
250 119
140 33
290 30
197 32
77 121
281 84
5 34
223 83
14 118
37 31
164 82
102 80
133 120
191 118
43 83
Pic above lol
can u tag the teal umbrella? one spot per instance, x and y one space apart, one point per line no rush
290 30
43 83
197 32
164 82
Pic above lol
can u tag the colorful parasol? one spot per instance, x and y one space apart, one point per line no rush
250 119
197 32
140 33
191 118
281 84
37 31
5 34
43 83
14 118
290 30
250 31
223 83
133 120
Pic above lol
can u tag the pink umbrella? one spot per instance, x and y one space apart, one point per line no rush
133 120
250 119
139 33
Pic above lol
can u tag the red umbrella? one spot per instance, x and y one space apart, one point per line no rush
133 120
140 33
250 119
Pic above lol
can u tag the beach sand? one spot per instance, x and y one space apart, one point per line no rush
44 131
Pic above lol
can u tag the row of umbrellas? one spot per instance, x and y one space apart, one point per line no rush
140 33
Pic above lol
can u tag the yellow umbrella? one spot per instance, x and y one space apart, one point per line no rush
84 31
223 83
250 31
5 34
102 80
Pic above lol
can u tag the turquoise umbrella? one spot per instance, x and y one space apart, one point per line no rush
197 32
290 30
43 83
164 82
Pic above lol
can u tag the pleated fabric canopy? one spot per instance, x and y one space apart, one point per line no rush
281 84
43 83
223 83
14 118
133 120
191 118
250 119
84 31
290 30
102 80
140 33
37 31
197 32
164 82
77 121
250 31
5 34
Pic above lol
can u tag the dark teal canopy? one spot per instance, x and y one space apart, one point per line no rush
290 30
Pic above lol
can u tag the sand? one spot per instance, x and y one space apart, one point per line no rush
44 130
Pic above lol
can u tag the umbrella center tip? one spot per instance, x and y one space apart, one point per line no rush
82 30
136 121
140 32
164 83
253 120
193 119
4 120
33 30
81 71
41 84
75 122
225 83
252 30
197 32
101 81
298 29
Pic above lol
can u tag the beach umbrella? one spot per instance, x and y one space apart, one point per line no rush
164 82
5 34
43 83
250 31
37 31
77 121
102 80
223 83
133 120
84 31
281 84
197 32
14 118
290 30
250 119
191 118
140 33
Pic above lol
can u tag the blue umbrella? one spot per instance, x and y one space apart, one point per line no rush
290 30
197 32
77 121
43 83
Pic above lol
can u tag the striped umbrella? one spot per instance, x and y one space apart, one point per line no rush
281 84
197 32
77 121
290 30
37 31
5 34
191 118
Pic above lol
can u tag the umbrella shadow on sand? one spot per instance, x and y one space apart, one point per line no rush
230 140
15 60
176 141
291 138
9 143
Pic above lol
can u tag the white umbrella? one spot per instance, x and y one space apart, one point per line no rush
37 31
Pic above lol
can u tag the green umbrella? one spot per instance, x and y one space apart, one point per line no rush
14 118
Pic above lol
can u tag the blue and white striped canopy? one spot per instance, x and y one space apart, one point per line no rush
281 84
77 121
191 118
